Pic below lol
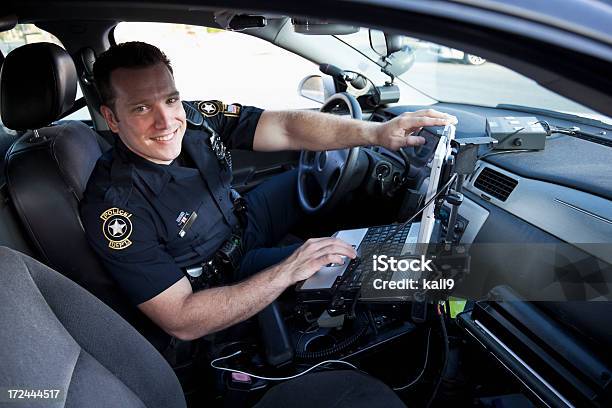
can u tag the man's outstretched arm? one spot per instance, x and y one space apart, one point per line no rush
187 315
315 131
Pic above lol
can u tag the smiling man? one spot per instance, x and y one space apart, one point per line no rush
159 209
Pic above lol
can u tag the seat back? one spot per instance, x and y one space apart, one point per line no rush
47 170
57 336
46 177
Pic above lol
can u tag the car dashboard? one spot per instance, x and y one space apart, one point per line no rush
564 190
514 201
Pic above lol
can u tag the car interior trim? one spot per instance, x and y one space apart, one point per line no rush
523 363
536 202
475 338
582 210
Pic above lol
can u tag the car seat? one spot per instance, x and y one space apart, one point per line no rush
55 335
48 167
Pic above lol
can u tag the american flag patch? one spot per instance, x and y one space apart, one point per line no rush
182 218
232 109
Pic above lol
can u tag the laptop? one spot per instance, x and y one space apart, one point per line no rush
410 234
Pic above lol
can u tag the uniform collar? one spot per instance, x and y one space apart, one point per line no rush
155 176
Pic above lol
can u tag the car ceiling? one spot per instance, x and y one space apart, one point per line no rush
571 59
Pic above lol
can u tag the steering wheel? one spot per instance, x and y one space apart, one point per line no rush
324 176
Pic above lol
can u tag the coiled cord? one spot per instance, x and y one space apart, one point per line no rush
330 351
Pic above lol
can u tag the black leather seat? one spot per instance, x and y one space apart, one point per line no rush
48 167
55 335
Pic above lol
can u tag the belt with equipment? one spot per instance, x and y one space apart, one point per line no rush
220 268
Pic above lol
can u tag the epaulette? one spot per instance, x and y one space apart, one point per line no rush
119 194
121 183
193 116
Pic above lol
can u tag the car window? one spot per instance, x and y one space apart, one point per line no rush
451 75
228 66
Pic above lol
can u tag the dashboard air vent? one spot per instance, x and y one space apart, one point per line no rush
495 183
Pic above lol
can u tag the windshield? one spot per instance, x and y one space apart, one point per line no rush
449 75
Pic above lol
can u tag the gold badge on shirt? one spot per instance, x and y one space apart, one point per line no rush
210 108
213 108
117 228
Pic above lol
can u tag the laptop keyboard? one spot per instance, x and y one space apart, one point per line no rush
387 239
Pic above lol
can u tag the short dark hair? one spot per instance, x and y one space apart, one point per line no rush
133 54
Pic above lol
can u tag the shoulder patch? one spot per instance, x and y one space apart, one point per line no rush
117 228
210 108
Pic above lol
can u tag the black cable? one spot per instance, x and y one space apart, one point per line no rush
509 135
406 165
330 351
446 353
372 323
545 125
416 214
382 69
432 199
378 95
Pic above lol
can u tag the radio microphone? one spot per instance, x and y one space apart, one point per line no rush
356 80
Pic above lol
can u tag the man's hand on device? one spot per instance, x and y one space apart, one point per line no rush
400 131
312 255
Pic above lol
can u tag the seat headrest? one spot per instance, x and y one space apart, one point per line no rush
37 84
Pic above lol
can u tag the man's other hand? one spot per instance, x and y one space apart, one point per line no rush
400 131
312 255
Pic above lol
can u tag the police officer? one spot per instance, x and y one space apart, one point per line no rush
159 210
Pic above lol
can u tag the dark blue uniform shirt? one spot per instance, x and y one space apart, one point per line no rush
133 209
